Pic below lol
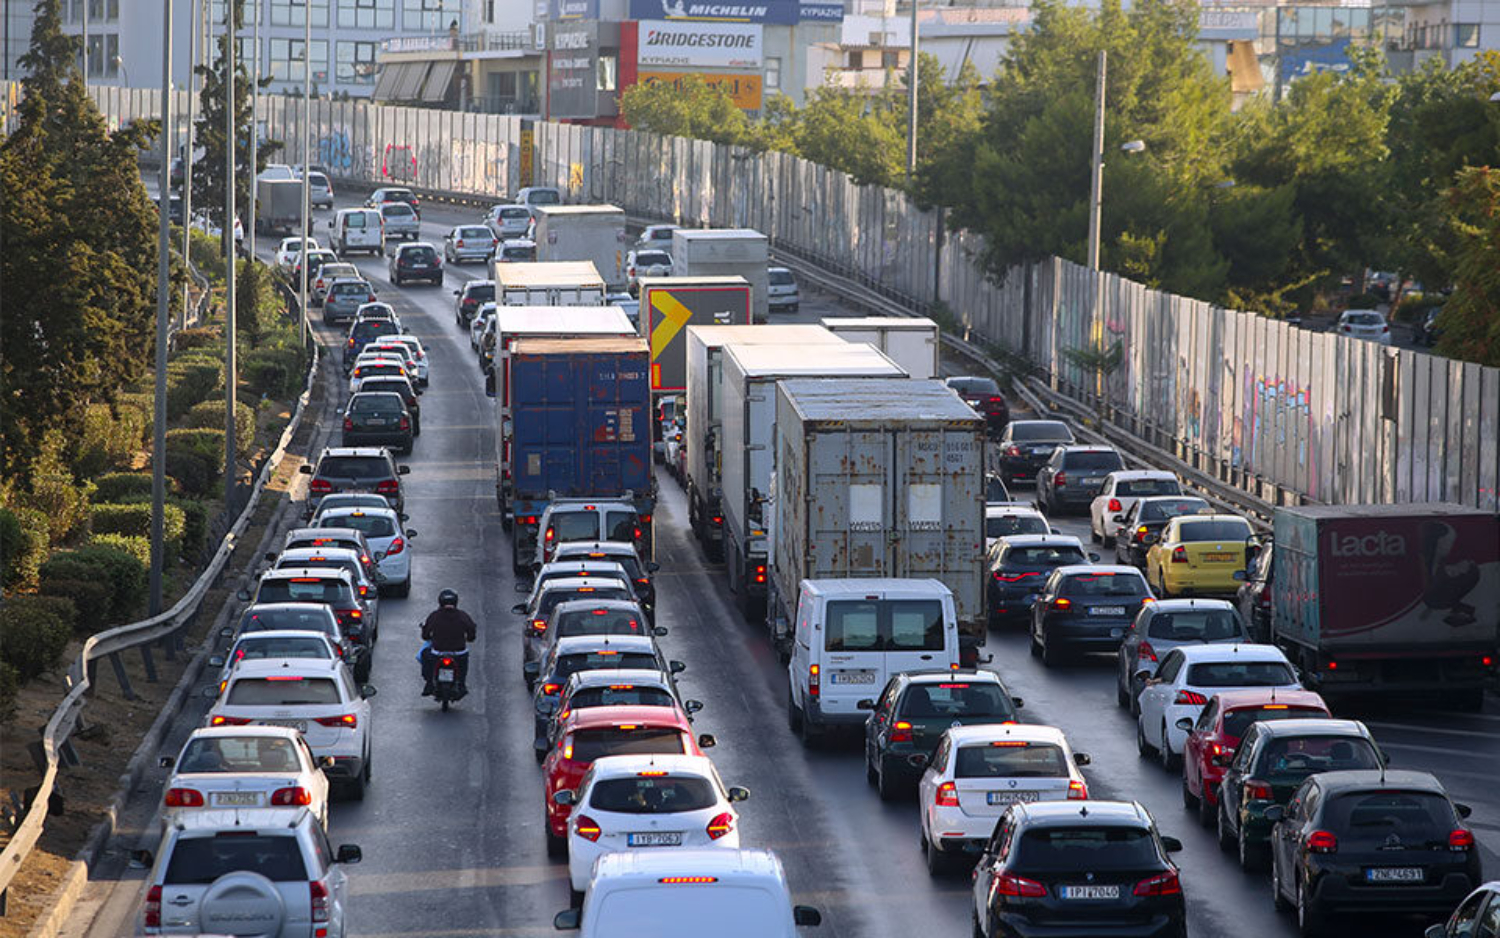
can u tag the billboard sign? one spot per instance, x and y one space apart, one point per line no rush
743 88
573 10
572 72
778 12
716 45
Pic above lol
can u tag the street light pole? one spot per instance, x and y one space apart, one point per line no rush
911 99
187 151
255 122
1096 169
163 313
306 167
231 144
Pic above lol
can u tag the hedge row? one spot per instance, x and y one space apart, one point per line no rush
209 415
195 458
134 520
34 632
111 437
273 372
122 572
191 379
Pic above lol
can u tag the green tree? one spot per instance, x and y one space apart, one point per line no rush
853 132
1470 320
692 108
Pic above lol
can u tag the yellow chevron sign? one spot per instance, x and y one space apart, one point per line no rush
670 304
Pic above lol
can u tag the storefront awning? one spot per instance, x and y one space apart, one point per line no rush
410 87
438 80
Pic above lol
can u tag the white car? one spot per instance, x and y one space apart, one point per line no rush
647 262
275 643
418 360
979 771
369 366
1010 520
648 802
1185 679
366 575
1365 324
291 249
245 767
781 290
319 699
278 171
1122 489
388 537
205 224
479 323
655 236
508 220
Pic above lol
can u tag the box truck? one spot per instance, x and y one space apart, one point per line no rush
583 233
278 205
911 342
556 283
699 252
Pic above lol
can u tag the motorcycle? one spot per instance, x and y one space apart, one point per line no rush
445 685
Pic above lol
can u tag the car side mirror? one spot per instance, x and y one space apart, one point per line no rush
1055 530
167 762
226 632
142 859
676 667
659 631
242 595
917 760
806 916
1118 519
411 532
866 704
367 691
519 609
567 919
652 566
1017 702
403 470
1082 758
457 292
1171 844
306 469
349 853
216 661
1093 557
405 517
1185 724
707 741
327 762
1436 931
1463 810
1385 758
209 691
737 793
563 796
1274 813
270 556
1239 575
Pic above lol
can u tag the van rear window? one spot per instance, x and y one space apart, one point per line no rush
357 220
201 860
884 625
354 467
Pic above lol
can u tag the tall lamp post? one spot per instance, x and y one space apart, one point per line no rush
231 144
255 121
911 99
306 167
163 313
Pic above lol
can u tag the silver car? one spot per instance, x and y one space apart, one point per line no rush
1367 324
345 297
781 290
508 220
319 191
649 262
469 243
400 221
1163 625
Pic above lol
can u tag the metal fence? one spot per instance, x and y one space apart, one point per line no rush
1286 413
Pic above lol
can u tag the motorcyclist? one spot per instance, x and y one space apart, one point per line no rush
447 631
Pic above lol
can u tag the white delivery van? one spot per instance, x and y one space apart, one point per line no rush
356 229
852 634
687 894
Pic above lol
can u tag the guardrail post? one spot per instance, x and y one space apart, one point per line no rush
149 663
121 676
67 755
169 647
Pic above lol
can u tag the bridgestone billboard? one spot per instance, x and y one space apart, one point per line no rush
716 45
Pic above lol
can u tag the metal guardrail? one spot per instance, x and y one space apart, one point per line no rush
110 643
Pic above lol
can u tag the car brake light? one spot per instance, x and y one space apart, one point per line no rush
901 732
296 795
1145 652
1164 884
184 798
320 485
1077 791
1322 842
1060 480
397 546
1062 602
720 825
343 719
539 625
587 828
1256 790
348 423
1179 554
1460 840
1013 450
460 244
1114 505
319 895
1190 698
1486 661
686 880
387 487
760 573
1008 884
947 796
153 908
1014 578
1385 327
812 680
551 533
549 689
228 721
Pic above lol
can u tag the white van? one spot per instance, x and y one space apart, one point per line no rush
356 229
688 894
852 635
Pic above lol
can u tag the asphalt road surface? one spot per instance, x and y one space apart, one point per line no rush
452 826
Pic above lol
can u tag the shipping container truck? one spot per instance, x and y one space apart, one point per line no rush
671 304
583 233
728 252
580 426
750 373
1388 598
705 402
556 283
278 205
877 480
911 342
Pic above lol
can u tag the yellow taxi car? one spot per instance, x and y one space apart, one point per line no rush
1198 554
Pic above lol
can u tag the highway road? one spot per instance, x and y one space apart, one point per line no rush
452 826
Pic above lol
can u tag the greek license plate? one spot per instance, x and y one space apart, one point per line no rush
1395 874
1106 610
663 839
1093 481
298 725
852 677
1091 892
376 421
445 674
238 799
1011 797
1218 557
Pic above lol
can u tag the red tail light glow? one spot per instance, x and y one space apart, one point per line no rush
946 796
539 625
588 828
1322 842
1190 698
153 908
1164 884
397 546
296 795
1008 884
1077 791
320 485
1460 840
343 719
184 798
228 721
1145 652
901 732
812 680
720 825
1256 790
1114 505
549 689
1179 554
318 893
405 423
1060 480
387 487
348 423
1013 578
1062 603
760 573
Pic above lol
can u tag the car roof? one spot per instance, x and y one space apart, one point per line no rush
863 586
264 821
597 580
256 608
1130 475
298 553
249 729
558 568
625 766
1217 516
948 675
1224 652
581 644
1315 727
330 531
1096 569
1356 779
1001 509
1042 540
599 717
994 732
1169 498
1257 697
354 511
607 676
281 573
280 633
300 667
353 451
1083 814
1087 448
579 547
1187 604
624 605
732 868
1051 421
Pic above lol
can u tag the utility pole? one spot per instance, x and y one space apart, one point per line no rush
306 167
911 100
187 151
163 314
231 144
255 119
1096 204
86 44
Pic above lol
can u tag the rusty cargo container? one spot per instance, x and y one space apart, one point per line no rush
877 479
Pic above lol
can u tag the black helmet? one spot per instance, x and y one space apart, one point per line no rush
447 598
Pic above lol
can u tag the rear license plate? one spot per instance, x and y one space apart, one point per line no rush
445 674
1106 610
1093 481
1395 874
1091 892
1218 558
298 725
376 421
237 799
1011 797
852 677
662 839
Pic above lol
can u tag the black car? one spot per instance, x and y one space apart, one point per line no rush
471 296
1019 567
983 394
552 675
912 712
1085 609
1078 867
641 572
395 384
1376 842
378 418
1272 761
1143 523
1074 475
355 469
417 261
1026 445
1254 595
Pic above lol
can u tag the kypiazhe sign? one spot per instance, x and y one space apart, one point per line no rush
743 89
716 45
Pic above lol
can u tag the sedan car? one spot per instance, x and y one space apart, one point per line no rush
1143 523
386 532
416 261
470 296
1026 445
1072 478
1167 624
912 712
399 221
1199 555
245 767
1370 842
1028 877
1085 608
1365 324
635 802
378 418
977 772
983 394
1220 729
1120 492
469 243
1019 567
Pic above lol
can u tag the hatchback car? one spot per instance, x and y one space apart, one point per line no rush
568 656
1019 566
1199 555
538 611
647 262
333 587
1085 608
1370 842
385 530
508 220
399 221
1033 873
624 553
394 384
347 538
1072 478
1167 624
329 271
1120 492
1010 520
417 261
378 418
361 567
400 194
278 643
470 297
782 291
1144 521
319 191
216 870
355 469
1365 324
914 709
344 298
1026 446
605 687
469 243
289 252
244 767
516 251
655 236
977 772
363 333
983 394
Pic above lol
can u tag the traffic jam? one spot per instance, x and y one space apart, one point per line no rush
883 528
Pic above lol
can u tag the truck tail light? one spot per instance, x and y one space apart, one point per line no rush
760 573
1190 698
1179 554
296 795
153 908
946 796
1145 652
183 798
1322 842
812 680
588 828
720 825
901 732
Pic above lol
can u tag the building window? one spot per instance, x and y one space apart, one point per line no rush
104 11
773 73
890 59
216 11
608 67
368 14
1466 36
489 11
356 63
427 15
856 59
293 12
286 59
72 11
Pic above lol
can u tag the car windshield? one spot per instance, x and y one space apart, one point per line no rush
389 385
1230 530
238 754
1165 510
1237 721
1137 488
1011 759
619 526
553 598
592 744
782 278
280 646
951 699
317 179
341 563
658 258
1070 849
621 695
315 619
372 525
396 210
1195 625
350 289
1040 431
201 860
1415 818
514 212
1105 584
649 793
301 589
1363 319
518 252
598 622
1291 759
482 293
600 660
1095 460
884 625
544 197
1006 525
282 691
421 254
974 385
1240 674
1044 555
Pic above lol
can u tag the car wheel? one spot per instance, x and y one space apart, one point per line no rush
1093 532
975 930
1036 647
1168 757
1278 894
886 789
811 734
575 897
1142 745
1226 839
557 847
1205 810
355 787
1052 656
1309 919
871 775
403 590
794 715
1122 695
1190 801
938 863
1252 856
1106 540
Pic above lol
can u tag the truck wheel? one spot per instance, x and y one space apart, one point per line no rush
794 714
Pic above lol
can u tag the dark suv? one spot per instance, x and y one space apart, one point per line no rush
364 332
471 296
1074 475
378 418
983 394
355 469
416 261
1026 445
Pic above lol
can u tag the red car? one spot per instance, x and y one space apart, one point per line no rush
588 734
1221 726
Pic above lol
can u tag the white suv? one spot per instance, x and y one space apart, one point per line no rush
271 868
315 697
781 290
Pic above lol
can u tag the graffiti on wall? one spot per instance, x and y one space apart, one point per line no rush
400 163
1278 414
336 152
